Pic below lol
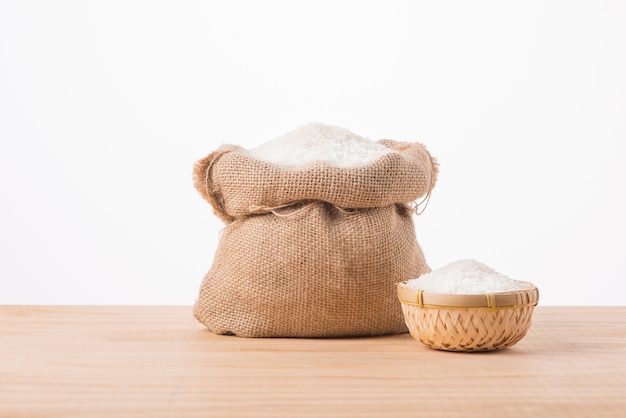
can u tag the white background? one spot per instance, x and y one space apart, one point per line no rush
105 106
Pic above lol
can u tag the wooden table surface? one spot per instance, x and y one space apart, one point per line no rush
96 361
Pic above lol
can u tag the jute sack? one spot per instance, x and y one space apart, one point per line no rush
313 251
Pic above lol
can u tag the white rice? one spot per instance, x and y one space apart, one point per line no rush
316 142
466 277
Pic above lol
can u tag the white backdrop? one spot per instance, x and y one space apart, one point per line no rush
105 106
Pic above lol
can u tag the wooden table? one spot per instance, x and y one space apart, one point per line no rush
137 361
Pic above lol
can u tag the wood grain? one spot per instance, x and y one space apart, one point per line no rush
59 361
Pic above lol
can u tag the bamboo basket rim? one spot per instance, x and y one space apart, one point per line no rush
492 301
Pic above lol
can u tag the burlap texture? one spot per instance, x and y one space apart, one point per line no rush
314 251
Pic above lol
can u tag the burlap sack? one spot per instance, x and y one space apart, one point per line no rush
313 251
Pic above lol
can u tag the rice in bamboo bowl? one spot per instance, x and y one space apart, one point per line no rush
467 306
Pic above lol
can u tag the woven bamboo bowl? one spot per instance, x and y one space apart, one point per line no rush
456 322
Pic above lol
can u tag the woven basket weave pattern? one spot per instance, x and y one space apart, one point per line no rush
469 329
468 322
